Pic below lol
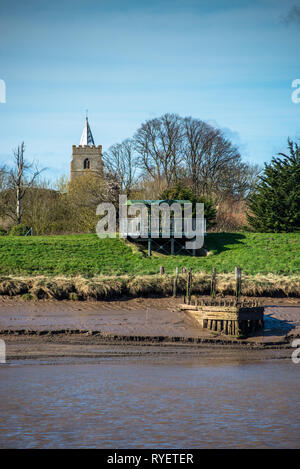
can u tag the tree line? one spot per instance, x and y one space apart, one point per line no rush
172 149
167 157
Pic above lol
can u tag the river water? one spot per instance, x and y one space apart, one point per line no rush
130 403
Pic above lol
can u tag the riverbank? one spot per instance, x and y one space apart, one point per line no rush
75 328
80 350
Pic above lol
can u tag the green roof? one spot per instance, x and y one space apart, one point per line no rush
157 202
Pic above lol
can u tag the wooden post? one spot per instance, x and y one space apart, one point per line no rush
149 246
189 286
188 289
238 282
261 323
172 245
190 282
175 283
213 283
161 270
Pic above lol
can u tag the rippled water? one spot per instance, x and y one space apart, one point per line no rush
131 404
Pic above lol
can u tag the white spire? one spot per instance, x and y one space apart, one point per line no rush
87 137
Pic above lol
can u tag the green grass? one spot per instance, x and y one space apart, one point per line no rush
87 255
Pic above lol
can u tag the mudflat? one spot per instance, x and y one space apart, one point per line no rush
46 328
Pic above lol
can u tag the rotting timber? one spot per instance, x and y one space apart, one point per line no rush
231 317
226 316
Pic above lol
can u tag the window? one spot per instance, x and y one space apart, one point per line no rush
86 164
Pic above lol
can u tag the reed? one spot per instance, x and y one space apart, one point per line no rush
109 287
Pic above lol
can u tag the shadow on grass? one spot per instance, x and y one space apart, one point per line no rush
216 242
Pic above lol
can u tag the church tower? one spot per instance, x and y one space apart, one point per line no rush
86 156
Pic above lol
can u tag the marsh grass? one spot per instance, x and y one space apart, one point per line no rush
105 288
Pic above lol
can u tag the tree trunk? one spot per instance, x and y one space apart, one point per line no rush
18 213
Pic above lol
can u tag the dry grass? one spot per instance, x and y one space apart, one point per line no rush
99 288
12 286
231 216
102 288
58 288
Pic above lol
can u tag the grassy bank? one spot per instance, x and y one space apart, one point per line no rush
88 256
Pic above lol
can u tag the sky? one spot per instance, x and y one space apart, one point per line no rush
230 63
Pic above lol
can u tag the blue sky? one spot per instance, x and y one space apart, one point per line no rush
229 62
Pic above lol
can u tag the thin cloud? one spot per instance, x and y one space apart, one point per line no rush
293 16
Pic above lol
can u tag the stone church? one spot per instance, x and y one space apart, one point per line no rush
86 156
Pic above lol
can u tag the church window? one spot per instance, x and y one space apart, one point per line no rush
86 164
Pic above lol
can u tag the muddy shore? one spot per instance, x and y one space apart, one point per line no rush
137 326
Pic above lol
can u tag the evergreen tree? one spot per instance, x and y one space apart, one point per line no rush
275 205
180 192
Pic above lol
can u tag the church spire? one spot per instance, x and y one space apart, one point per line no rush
87 136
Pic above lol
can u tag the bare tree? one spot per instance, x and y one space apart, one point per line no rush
21 177
120 162
198 142
238 181
222 157
3 178
169 149
213 165
158 143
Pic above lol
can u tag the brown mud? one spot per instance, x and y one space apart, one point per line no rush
62 328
